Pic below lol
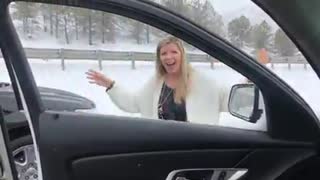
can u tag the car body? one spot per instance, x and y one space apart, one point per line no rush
87 146
53 99
16 121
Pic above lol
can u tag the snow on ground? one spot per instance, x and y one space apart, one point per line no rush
305 82
73 79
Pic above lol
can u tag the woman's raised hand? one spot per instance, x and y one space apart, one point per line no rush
98 78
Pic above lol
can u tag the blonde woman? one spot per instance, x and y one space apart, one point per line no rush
175 92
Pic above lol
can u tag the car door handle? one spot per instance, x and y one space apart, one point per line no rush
207 174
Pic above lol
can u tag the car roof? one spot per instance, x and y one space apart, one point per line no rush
299 19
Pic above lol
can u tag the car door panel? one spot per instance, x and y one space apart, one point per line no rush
157 165
103 149
148 134
271 163
152 165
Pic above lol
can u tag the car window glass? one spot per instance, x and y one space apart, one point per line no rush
63 43
249 28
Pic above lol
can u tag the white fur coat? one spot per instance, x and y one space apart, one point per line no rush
204 102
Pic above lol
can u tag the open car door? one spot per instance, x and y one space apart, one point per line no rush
7 168
78 146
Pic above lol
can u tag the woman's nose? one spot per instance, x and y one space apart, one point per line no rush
169 55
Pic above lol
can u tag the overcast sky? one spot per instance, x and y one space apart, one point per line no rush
225 6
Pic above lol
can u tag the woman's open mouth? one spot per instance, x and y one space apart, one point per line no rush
170 64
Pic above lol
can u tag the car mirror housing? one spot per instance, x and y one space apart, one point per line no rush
244 102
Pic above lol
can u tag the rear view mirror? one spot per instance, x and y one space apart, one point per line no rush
244 102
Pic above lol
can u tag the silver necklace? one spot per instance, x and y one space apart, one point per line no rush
160 109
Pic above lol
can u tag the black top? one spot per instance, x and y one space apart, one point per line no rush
167 108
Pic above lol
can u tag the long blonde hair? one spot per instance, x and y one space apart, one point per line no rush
182 89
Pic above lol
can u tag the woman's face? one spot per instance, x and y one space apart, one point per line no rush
170 57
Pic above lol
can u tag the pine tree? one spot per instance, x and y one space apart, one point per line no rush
45 11
283 44
147 27
79 18
204 14
66 13
107 27
26 12
51 19
56 11
178 6
261 35
90 26
238 30
138 31
103 26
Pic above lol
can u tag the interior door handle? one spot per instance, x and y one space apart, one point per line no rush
207 174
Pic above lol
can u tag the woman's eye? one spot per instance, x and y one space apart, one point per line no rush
164 53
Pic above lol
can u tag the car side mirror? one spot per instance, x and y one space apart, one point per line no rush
244 102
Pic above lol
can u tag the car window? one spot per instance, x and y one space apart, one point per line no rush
249 28
65 46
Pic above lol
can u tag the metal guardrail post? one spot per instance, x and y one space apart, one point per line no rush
305 65
98 54
133 63
62 59
289 64
211 61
